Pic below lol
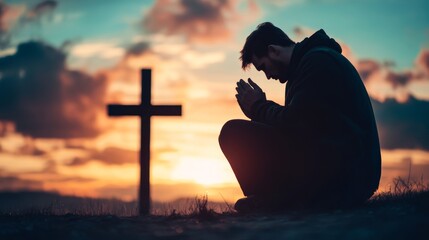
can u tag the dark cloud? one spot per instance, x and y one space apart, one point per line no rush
40 9
4 34
367 67
10 183
116 156
34 151
3 9
138 49
29 148
376 75
44 99
403 125
15 16
6 128
73 179
109 156
70 144
78 161
124 192
423 60
2 14
119 156
50 167
197 21
400 79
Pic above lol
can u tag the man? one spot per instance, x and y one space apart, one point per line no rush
319 150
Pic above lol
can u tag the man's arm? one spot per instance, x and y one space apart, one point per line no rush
309 94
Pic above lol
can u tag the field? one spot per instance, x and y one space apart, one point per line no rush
402 213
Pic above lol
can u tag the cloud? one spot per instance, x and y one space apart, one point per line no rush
138 48
400 79
14 16
301 32
97 49
3 25
120 156
126 193
198 60
383 82
402 125
423 61
109 156
367 67
44 99
8 183
9 15
283 3
197 21
41 9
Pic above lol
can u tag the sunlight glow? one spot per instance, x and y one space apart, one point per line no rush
202 171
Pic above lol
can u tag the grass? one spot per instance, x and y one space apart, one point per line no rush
402 191
52 204
400 213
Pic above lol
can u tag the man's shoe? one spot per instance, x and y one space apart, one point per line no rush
249 204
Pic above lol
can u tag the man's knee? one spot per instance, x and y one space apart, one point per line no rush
230 131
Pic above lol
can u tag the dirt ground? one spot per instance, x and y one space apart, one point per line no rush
407 219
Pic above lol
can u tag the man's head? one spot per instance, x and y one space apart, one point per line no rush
269 49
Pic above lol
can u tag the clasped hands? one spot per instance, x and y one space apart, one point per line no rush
247 95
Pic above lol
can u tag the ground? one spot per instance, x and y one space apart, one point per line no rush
383 218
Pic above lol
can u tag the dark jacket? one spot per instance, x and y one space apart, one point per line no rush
328 118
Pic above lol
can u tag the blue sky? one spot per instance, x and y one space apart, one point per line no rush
389 30
385 30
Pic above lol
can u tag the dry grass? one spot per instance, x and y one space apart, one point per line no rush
402 191
44 203
202 209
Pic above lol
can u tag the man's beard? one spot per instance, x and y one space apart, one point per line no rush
283 71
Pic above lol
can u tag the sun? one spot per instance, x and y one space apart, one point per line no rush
203 171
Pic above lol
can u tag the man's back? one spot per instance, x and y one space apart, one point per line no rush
328 119
339 117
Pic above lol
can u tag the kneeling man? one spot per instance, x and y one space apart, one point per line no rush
318 150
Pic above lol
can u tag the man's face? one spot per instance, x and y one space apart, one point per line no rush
271 66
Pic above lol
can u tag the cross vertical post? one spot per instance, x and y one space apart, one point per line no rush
145 110
144 191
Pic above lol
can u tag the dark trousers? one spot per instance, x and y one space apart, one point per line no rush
258 155
266 163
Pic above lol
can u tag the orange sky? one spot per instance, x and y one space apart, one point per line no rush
73 147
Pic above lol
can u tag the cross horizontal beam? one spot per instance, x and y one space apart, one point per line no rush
136 110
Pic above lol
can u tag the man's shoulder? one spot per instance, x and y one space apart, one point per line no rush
318 58
321 53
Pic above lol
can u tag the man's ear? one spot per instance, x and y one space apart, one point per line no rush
273 51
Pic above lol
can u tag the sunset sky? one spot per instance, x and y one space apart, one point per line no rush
62 62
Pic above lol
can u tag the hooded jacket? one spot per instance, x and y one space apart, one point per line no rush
328 118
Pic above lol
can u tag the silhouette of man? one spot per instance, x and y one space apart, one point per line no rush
319 150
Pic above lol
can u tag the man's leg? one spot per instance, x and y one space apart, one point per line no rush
254 151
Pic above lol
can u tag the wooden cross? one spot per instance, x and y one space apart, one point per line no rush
145 110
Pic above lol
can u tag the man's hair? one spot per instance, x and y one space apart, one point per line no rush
258 41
